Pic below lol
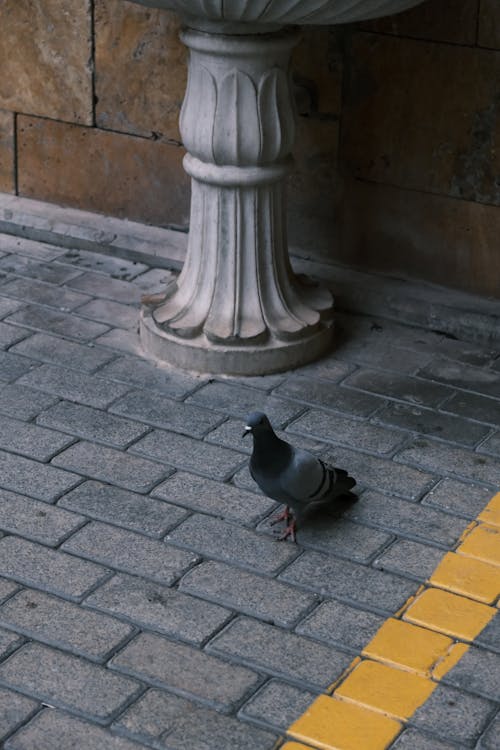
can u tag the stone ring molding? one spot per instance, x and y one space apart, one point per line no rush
237 307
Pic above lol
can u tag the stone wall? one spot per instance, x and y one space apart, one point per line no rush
398 151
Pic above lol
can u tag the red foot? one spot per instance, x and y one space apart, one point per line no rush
289 532
285 516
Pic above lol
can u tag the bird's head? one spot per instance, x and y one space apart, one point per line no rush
257 422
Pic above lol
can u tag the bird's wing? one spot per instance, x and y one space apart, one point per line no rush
306 478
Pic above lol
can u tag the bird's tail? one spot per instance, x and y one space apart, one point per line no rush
343 484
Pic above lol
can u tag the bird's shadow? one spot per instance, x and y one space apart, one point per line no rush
321 524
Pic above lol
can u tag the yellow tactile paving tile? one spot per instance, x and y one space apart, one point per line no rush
483 542
469 576
387 689
408 646
295 746
491 514
331 724
452 657
449 613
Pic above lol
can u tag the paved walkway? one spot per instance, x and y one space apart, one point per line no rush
143 599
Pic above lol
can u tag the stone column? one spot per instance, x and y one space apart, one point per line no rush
237 307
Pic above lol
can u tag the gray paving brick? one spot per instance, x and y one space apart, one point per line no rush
15 709
382 355
239 401
338 536
460 498
174 723
402 387
184 452
472 406
74 386
489 741
47 569
264 382
229 542
492 445
123 508
328 368
37 480
31 440
185 670
248 593
12 366
53 321
8 642
92 424
280 653
153 280
463 376
62 624
406 519
428 422
7 588
115 267
453 716
8 306
327 395
55 350
36 520
54 730
489 637
11 335
349 582
148 375
127 342
478 671
113 466
53 273
344 431
159 608
341 625
130 552
23 403
208 496
410 559
40 250
453 461
41 293
382 474
111 313
277 705
244 481
154 409
97 285
67 681
412 739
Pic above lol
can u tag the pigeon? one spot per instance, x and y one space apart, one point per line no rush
294 477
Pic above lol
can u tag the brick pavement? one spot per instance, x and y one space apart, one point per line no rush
143 600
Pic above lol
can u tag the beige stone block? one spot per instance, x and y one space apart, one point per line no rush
424 116
489 24
141 69
442 21
7 157
419 235
96 170
317 71
45 58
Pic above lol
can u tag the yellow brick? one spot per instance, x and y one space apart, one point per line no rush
449 613
386 689
452 657
295 746
491 514
408 646
483 542
331 724
466 575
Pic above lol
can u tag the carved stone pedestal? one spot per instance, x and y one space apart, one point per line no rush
237 307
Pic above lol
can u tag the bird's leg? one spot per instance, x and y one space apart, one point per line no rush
290 531
284 516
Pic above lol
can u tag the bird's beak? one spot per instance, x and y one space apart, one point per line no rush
246 431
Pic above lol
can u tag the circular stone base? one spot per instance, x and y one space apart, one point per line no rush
202 355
